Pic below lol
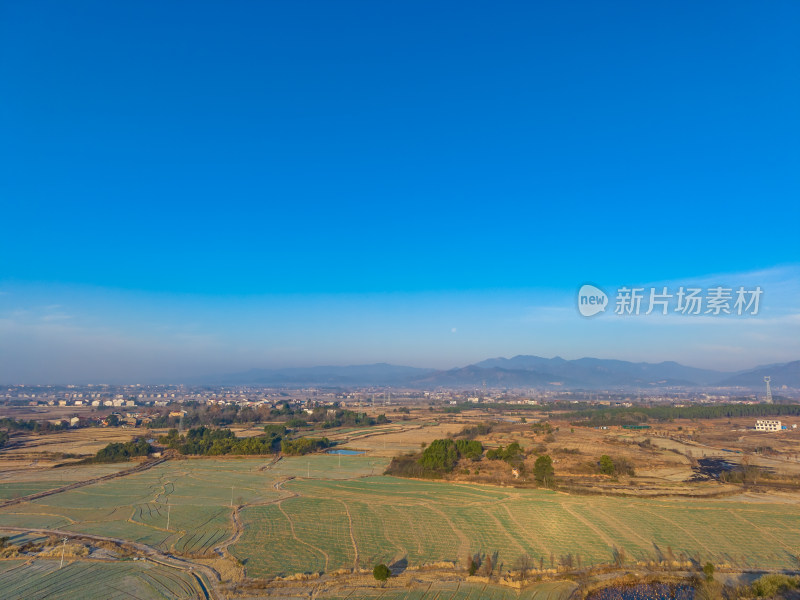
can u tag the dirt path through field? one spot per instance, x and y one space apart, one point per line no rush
463 540
352 536
149 553
294 535
238 527
79 484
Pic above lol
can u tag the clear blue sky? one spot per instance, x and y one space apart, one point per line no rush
167 164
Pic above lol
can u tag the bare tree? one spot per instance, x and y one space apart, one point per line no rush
488 566
524 564
566 561
618 555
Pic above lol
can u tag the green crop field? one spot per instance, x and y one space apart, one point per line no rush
196 496
15 489
342 524
323 513
43 579
15 484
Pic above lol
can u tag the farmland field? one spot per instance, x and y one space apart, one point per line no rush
322 513
142 580
19 482
343 524
195 495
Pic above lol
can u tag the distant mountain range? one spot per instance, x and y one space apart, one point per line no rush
522 371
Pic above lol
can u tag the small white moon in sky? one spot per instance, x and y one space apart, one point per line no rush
453 330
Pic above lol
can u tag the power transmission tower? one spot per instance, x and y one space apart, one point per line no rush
768 399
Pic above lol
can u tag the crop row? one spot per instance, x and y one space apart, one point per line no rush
389 521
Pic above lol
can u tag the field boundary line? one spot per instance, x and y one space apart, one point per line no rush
464 547
79 484
590 525
352 537
294 535
688 533
760 530
620 526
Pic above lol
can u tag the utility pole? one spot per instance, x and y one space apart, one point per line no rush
308 470
63 547
231 496
168 507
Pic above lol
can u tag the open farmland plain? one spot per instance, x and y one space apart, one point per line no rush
270 519
196 496
330 525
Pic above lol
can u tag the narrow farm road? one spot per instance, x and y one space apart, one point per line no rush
144 466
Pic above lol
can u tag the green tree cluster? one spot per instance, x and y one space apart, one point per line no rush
542 427
302 446
614 466
210 415
381 572
606 465
443 454
34 426
770 586
118 452
204 441
471 449
275 430
471 432
543 471
512 453
440 455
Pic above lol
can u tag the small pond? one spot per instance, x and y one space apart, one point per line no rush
346 452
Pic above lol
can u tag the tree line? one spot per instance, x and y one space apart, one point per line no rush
441 457
118 451
33 426
225 415
335 417
634 415
204 441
